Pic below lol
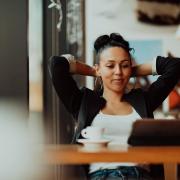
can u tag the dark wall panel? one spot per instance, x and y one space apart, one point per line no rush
13 49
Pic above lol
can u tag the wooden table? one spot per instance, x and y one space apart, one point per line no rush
76 154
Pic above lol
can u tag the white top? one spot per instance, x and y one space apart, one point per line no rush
116 128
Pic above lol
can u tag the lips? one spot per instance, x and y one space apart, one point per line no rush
118 81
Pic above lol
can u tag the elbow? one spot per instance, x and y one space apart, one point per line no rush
178 67
58 65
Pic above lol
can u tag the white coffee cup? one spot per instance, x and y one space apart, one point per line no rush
92 132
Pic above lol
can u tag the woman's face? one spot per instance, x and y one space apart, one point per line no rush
114 68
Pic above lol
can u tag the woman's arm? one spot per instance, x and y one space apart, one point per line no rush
64 84
168 70
78 67
144 69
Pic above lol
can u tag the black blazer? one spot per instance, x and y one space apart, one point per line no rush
84 103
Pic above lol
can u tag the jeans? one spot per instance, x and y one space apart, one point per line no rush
121 173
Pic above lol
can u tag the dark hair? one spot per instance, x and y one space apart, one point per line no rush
112 40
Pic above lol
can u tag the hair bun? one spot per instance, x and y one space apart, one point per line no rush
100 42
119 39
112 40
116 36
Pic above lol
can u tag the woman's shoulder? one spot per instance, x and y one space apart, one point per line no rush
92 96
170 64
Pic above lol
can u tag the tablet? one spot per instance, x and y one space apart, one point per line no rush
157 132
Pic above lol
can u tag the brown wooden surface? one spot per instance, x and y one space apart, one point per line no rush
170 171
76 154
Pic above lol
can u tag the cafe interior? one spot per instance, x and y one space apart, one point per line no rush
36 129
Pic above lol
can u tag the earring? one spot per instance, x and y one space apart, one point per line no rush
98 84
95 82
101 83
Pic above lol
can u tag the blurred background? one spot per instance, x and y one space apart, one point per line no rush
33 30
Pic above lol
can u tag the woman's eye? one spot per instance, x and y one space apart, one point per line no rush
110 66
125 65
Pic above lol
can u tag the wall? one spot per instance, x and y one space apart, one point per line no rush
104 17
13 50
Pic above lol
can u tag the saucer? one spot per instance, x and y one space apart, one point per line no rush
93 144
92 141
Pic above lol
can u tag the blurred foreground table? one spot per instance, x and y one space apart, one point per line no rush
77 154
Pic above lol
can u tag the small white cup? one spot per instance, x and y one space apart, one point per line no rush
92 133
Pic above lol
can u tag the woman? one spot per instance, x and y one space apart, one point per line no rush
111 105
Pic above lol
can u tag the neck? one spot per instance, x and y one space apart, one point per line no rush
112 96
